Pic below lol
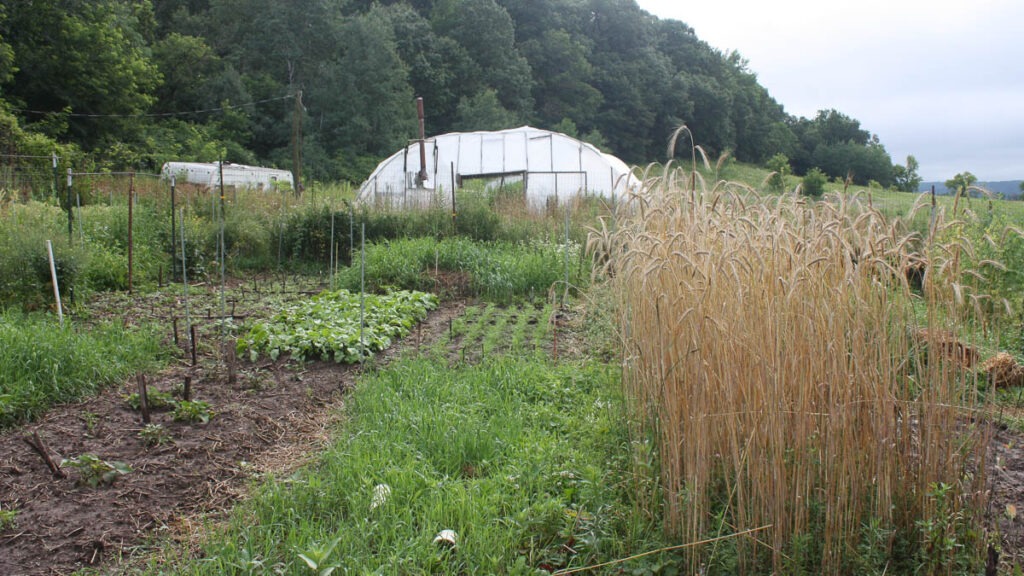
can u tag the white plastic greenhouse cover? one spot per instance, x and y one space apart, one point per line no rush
551 165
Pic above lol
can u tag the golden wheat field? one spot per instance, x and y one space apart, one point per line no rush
795 383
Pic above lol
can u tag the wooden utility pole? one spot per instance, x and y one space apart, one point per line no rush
297 143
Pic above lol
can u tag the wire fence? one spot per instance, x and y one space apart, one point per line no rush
25 177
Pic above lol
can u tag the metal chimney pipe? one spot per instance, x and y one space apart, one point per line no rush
422 176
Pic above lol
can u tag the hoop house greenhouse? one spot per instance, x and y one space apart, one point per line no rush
550 167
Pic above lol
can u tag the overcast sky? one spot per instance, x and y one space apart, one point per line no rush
941 80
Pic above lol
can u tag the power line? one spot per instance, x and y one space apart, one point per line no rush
159 114
26 156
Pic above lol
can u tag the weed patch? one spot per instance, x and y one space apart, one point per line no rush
43 363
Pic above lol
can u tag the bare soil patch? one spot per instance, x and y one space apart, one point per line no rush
271 418
1004 467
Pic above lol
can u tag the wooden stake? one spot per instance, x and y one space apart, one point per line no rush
143 401
37 444
231 360
187 393
554 332
192 335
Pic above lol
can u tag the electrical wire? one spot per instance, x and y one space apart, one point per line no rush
158 114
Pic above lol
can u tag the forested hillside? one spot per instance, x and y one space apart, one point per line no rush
129 84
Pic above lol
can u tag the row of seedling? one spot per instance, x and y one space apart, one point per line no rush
486 329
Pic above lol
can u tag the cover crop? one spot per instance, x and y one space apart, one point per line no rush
327 326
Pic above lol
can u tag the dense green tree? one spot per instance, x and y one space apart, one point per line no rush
7 68
483 112
906 178
487 33
80 58
832 127
838 145
365 104
182 16
201 78
961 183
439 68
563 74
194 77
813 183
860 163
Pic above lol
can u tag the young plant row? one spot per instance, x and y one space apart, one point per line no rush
486 330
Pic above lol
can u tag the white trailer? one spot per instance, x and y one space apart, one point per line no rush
238 175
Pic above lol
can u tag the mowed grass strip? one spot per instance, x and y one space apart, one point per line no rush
44 364
526 462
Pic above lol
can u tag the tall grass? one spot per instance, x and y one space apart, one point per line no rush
770 351
497 271
43 364
263 231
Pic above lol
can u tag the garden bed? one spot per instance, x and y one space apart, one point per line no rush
270 419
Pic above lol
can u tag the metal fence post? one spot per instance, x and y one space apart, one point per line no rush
70 227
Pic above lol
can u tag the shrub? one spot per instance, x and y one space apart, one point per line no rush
813 183
24 262
779 165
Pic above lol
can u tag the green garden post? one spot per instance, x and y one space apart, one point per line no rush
174 234
362 293
56 176
70 226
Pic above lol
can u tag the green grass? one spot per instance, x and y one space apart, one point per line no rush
526 461
43 364
497 271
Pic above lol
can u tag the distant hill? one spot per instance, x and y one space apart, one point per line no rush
1009 189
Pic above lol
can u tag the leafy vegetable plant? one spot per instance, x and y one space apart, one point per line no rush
155 399
328 326
192 411
7 519
95 471
155 435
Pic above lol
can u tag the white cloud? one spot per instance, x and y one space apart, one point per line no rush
939 80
